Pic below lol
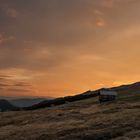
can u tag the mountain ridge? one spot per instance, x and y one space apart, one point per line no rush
88 94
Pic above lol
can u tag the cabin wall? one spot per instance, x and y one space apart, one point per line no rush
106 98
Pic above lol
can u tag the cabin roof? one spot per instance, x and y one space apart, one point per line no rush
108 92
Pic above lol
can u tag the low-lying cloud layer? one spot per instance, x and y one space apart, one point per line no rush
63 47
9 86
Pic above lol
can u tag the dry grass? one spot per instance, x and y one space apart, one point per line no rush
82 120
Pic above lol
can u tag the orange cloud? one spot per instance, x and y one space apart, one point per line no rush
13 82
1 39
11 12
100 22
4 39
108 3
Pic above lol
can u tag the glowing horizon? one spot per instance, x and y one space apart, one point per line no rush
58 48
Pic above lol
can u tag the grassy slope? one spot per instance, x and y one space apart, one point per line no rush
81 120
132 95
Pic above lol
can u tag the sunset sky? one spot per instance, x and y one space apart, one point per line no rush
65 47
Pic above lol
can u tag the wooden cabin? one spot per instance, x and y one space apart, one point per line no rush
107 95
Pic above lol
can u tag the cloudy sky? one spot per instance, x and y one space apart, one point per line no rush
63 47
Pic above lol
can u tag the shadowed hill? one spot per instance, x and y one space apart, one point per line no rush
26 102
63 100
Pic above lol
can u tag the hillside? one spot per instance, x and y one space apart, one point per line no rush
129 92
82 120
63 100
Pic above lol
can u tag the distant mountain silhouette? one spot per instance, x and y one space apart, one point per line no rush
6 106
26 102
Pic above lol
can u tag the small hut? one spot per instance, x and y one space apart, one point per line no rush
106 95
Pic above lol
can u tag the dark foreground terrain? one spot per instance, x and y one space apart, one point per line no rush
81 120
